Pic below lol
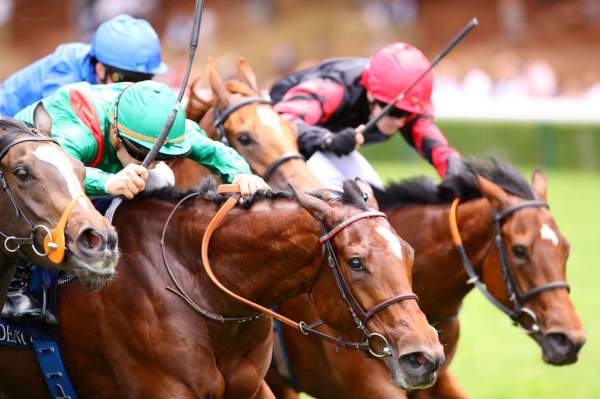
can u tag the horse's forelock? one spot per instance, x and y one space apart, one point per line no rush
237 87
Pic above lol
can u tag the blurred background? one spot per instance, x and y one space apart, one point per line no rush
524 86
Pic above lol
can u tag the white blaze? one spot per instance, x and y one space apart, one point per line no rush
548 234
392 240
269 118
55 157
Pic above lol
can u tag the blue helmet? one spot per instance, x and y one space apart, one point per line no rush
129 44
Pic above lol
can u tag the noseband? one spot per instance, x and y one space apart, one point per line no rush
359 315
517 298
219 125
54 241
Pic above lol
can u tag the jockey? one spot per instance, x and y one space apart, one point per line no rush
329 101
111 128
123 49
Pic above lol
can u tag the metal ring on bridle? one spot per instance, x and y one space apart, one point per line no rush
50 244
386 347
303 328
10 238
535 328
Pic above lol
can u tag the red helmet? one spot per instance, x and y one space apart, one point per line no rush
392 69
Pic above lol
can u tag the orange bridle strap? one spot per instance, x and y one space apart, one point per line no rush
453 223
54 244
210 229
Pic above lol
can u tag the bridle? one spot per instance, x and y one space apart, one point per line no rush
359 315
517 298
54 240
219 119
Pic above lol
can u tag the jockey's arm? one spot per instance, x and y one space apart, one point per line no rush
309 104
218 158
423 135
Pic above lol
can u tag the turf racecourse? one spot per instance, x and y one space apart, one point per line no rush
496 360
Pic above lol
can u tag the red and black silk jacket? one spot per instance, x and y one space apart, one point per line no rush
330 95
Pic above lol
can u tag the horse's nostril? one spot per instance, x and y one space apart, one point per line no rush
420 363
111 241
91 239
417 359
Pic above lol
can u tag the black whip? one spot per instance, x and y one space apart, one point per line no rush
171 119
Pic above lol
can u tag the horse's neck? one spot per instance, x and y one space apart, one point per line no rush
438 266
265 255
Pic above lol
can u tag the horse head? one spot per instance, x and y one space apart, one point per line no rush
247 121
375 265
44 188
529 276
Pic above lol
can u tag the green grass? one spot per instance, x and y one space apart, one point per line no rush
495 359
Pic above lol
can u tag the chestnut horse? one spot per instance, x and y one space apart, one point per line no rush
41 185
235 112
136 339
559 347
536 255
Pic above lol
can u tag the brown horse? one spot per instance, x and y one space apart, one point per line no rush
137 339
40 182
235 112
536 255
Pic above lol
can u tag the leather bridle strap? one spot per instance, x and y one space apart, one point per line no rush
288 156
221 117
24 139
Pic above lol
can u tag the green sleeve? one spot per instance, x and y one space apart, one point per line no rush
218 158
95 181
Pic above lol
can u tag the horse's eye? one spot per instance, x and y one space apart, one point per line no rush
244 139
356 264
21 173
520 251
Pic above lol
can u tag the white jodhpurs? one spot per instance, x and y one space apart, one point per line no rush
332 170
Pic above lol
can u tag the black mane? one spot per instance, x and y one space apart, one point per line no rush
208 191
422 190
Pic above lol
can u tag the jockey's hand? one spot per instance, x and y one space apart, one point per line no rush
127 182
344 141
250 183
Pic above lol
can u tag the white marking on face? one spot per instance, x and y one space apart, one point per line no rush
548 234
392 240
270 118
58 159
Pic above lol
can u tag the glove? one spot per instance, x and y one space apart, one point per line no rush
160 176
455 166
249 184
343 142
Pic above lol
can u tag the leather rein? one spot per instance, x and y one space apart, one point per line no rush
359 315
54 240
219 119
517 298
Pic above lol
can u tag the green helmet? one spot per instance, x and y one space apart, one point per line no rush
139 113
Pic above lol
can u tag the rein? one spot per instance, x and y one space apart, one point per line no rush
219 125
359 315
517 298
54 240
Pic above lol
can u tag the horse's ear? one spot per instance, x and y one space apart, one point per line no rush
246 75
218 87
494 193
367 191
320 209
539 184
200 99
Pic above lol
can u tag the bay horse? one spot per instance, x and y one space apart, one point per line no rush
235 112
42 188
136 339
534 273
343 377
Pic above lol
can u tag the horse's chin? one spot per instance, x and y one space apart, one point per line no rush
94 276
403 380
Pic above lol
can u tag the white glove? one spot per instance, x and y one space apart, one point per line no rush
160 176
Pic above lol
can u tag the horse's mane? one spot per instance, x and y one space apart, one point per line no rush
422 190
10 129
351 195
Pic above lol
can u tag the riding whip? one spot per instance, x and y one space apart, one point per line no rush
472 24
171 119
